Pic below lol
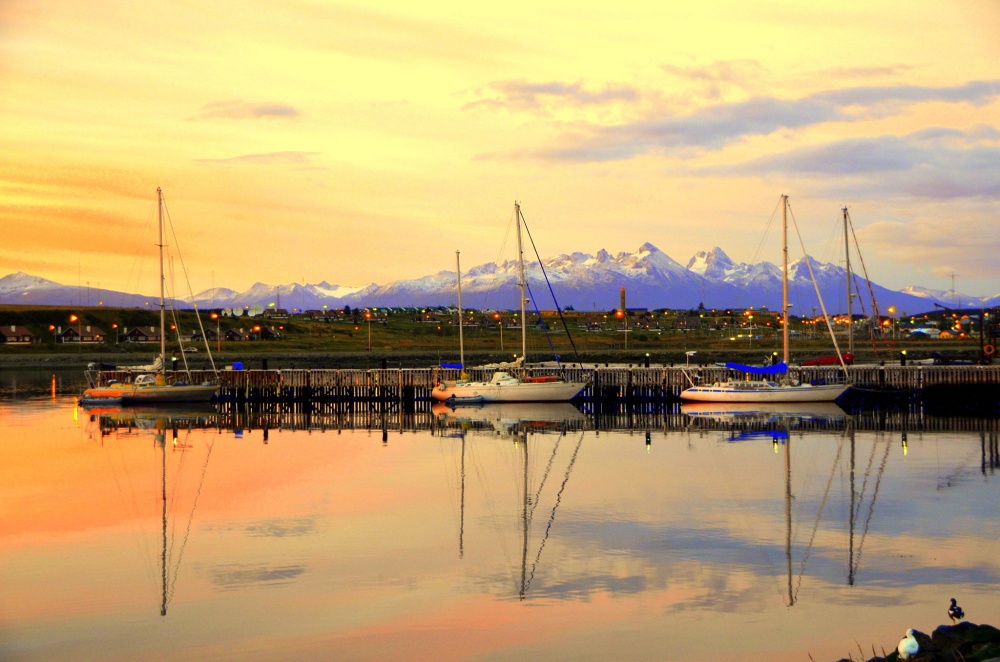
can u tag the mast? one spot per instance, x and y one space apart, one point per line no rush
521 284
847 267
523 435
788 516
850 534
161 439
163 314
784 278
461 341
461 525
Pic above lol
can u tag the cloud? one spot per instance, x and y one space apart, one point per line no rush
268 158
932 163
243 110
236 576
280 528
729 71
718 126
520 95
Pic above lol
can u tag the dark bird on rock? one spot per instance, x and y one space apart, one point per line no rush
955 612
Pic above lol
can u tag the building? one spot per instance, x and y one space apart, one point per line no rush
80 334
16 335
210 335
142 334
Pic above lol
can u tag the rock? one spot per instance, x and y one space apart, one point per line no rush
966 642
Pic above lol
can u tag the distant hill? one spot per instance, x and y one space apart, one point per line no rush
651 278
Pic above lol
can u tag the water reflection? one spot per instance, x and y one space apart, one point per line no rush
548 532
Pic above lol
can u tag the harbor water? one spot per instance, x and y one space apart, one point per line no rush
482 533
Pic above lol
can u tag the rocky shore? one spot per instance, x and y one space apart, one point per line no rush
965 642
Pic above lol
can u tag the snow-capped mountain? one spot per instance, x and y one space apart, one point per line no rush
21 282
651 278
950 298
25 289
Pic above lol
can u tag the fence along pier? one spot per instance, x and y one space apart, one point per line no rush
607 383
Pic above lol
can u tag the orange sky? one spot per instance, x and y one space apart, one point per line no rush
329 141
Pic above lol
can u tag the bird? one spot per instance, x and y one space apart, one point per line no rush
908 647
955 612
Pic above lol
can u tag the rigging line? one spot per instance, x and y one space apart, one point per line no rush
194 506
142 542
819 514
871 290
174 498
545 477
871 510
450 469
551 292
503 247
868 282
864 483
538 313
819 297
177 324
493 518
552 516
187 279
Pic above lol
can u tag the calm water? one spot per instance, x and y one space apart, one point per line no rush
463 536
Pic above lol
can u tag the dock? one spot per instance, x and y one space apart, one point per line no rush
607 383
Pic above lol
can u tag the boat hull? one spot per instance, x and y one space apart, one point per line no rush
508 392
155 394
767 410
764 394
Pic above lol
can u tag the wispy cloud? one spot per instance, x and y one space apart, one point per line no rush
520 95
717 126
932 163
268 158
236 575
712 81
244 110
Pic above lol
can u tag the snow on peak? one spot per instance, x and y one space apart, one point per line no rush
23 281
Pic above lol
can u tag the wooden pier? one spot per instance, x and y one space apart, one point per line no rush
604 383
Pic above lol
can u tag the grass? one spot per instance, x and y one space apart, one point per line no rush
419 333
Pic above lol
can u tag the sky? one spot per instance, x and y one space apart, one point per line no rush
305 140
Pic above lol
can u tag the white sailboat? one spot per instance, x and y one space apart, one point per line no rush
766 390
504 386
149 388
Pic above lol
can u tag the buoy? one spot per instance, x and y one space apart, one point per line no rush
908 647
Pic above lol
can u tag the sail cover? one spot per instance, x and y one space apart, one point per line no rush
776 369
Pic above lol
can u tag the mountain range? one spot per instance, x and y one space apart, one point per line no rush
651 278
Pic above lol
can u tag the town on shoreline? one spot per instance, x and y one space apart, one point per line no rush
419 337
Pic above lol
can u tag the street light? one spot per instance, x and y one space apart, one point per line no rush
79 331
500 319
368 318
218 336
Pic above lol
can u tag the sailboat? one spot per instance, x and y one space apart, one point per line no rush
766 390
504 386
149 388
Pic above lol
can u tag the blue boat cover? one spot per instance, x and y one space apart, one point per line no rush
774 435
456 366
776 369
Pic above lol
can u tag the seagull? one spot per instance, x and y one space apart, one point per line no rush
955 612
908 647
